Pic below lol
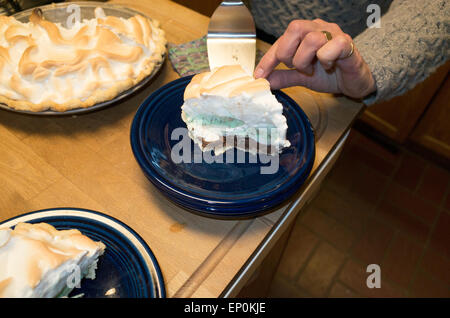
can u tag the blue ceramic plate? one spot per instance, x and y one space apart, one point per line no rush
204 185
128 267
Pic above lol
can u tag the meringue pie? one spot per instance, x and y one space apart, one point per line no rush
228 102
45 66
37 260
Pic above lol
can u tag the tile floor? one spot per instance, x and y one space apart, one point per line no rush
375 207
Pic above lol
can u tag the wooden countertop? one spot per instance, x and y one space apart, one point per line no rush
86 161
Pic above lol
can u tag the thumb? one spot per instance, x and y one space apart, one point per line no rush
285 78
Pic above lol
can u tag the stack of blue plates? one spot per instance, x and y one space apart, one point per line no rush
236 189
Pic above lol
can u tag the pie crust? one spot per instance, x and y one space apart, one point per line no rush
45 66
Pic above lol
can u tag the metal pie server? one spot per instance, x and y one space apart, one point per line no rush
232 36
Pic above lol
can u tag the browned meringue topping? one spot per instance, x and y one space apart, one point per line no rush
97 59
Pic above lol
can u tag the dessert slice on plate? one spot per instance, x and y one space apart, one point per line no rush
37 260
228 108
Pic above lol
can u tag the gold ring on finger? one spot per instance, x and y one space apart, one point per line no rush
351 51
327 35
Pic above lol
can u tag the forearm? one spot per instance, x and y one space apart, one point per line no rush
412 42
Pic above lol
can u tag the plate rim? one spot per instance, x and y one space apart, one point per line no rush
219 211
100 105
109 221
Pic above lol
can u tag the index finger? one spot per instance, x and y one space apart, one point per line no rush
283 50
268 62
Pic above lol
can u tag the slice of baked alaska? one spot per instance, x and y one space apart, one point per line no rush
37 260
228 108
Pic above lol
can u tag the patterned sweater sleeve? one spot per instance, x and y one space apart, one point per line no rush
412 42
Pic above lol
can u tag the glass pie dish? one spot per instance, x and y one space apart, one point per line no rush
58 13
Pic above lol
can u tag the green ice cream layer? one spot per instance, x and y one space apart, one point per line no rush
215 121
222 123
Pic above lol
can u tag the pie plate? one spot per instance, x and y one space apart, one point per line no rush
57 12
234 188
127 269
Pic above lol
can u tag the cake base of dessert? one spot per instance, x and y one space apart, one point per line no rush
242 143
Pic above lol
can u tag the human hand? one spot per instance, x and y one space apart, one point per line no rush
325 65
